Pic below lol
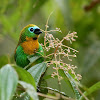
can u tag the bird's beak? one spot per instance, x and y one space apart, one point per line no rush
37 31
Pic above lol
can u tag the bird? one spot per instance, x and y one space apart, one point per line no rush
28 45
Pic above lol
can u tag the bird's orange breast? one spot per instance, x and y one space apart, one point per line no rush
30 46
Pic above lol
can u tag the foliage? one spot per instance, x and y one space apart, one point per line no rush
8 82
81 16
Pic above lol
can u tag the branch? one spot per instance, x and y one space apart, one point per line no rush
92 4
54 98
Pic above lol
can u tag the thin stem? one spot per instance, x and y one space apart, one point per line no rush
69 48
57 72
49 31
54 98
46 26
51 97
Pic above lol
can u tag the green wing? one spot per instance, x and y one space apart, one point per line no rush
20 57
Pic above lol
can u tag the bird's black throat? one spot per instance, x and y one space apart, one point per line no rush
35 38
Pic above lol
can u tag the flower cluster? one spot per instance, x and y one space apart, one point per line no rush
59 52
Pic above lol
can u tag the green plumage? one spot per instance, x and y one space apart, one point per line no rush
28 35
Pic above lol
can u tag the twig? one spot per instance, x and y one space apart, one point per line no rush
51 97
92 4
54 98
46 28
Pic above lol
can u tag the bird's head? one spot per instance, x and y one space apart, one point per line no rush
31 31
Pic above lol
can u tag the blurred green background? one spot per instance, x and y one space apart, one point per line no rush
82 16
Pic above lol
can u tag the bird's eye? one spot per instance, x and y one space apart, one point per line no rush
31 29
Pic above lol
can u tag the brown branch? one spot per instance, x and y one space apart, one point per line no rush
47 96
54 98
91 5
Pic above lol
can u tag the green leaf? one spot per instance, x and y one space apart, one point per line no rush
69 77
30 90
37 70
33 58
8 82
70 82
61 72
25 76
74 85
92 89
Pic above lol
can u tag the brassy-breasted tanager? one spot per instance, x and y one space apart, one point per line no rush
28 45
